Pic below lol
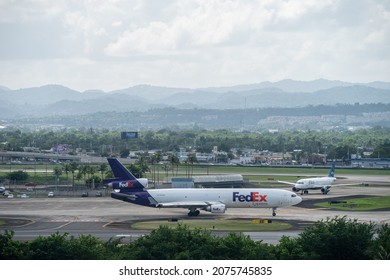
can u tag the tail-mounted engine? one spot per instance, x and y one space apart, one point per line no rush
136 184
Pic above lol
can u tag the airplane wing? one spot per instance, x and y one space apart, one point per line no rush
285 182
124 197
186 204
351 184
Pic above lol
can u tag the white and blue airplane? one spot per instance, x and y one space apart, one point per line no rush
130 189
319 183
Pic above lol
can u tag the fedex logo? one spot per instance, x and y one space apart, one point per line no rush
252 197
128 184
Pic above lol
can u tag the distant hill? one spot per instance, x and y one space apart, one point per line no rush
322 117
287 85
3 88
59 100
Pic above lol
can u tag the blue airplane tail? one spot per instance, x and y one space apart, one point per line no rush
119 170
124 179
331 171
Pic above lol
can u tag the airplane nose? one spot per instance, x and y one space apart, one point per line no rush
298 200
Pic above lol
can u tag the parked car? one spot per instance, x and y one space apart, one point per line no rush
50 194
84 194
24 196
10 195
98 193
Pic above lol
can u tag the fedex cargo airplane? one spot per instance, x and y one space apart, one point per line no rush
130 189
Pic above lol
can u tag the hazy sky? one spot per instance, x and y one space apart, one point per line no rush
112 44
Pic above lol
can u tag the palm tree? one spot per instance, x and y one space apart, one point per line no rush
153 160
174 161
166 167
191 159
66 168
102 169
73 166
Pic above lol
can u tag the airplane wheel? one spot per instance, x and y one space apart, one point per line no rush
193 213
306 192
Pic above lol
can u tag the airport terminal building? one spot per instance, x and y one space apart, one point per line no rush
371 163
209 181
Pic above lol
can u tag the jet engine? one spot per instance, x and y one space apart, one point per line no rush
325 190
216 208
295 189
128 184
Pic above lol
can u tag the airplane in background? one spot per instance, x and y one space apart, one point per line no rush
130 189
320 183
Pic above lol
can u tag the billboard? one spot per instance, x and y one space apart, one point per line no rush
129 135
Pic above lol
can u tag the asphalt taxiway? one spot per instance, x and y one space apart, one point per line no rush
106 218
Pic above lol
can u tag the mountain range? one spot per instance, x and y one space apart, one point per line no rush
58 100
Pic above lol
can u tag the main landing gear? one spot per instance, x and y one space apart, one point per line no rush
193 213
274 212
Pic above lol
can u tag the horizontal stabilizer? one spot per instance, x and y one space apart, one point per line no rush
124 197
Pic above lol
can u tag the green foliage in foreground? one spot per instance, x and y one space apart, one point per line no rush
336 238
215 225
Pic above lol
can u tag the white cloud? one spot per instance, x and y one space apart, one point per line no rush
117 24
29 11
192 42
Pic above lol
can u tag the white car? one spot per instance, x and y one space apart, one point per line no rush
10 195
50 194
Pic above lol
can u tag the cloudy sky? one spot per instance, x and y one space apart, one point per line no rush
113 44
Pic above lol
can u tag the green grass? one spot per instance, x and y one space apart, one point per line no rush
283 170
273 178
219 225
269 175
360 204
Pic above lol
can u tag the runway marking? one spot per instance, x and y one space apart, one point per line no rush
61 226
130 235
74 221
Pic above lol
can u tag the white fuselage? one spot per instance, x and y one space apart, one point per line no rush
231 198
314 183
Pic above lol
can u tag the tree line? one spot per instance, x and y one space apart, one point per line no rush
337 145
336 238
